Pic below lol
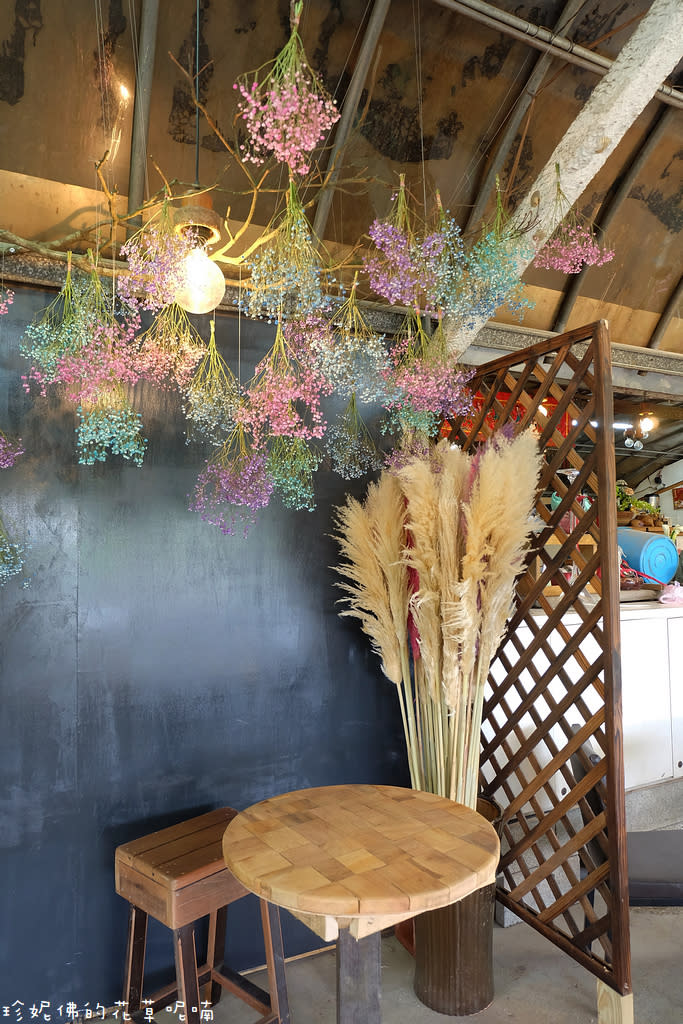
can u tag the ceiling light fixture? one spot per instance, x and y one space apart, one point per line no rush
203 287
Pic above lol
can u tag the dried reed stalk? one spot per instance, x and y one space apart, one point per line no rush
460 524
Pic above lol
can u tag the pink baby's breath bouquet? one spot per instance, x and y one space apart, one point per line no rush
572 244
6 300
287 111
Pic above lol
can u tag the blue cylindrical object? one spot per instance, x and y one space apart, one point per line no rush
652 554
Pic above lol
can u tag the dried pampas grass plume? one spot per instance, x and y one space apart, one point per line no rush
443 540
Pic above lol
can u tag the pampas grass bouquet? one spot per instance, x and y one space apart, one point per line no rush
428 564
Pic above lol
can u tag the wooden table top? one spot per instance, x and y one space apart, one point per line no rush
342 852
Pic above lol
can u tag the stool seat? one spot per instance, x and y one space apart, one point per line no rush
178 876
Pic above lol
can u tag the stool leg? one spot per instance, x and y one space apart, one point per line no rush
135 958
358 979
215 951
186 971
275 959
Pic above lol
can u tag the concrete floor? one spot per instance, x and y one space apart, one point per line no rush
534 981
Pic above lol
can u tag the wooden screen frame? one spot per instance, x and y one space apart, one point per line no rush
586 828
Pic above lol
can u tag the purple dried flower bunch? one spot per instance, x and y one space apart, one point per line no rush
285 108
436 273
155 256
234 486
572 245
409 267
10 451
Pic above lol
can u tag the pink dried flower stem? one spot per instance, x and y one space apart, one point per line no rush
572 245
6 301
288 112
283 399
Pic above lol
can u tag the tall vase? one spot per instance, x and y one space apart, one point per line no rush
454 949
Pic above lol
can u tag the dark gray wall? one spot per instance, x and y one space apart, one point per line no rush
151 670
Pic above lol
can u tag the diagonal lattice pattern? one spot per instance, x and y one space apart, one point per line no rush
551 738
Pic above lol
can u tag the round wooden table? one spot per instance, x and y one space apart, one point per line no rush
349 861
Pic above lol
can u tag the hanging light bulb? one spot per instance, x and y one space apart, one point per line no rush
203 286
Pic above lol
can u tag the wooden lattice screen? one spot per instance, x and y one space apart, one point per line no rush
552 754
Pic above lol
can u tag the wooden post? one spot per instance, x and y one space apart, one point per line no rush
613 1008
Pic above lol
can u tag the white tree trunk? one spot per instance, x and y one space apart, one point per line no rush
648 57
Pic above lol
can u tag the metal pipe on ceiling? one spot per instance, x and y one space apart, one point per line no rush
631 172
524 100
143 94
546 40
349 108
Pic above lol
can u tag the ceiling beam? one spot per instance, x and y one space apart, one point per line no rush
618 99
348 114
144 72
662 125
665 319
522 104
548 41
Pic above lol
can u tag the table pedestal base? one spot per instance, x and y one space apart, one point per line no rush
358 979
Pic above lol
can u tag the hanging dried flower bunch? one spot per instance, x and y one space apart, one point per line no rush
351 445
109 426
6 300
11 556
573 244
213 396
285 273
169 350
285 109
155 257
9 451
234 486
291 465
424 384
283 398
353 357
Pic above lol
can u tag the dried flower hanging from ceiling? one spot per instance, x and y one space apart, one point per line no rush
284 107
213 396
109 425
155 256
286 271
6 300
234 486
350 444
9 451
573 244
11 556
352 356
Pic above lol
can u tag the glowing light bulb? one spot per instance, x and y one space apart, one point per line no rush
124 91
204 284
647 424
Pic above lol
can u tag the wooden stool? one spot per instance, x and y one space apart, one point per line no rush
178 875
